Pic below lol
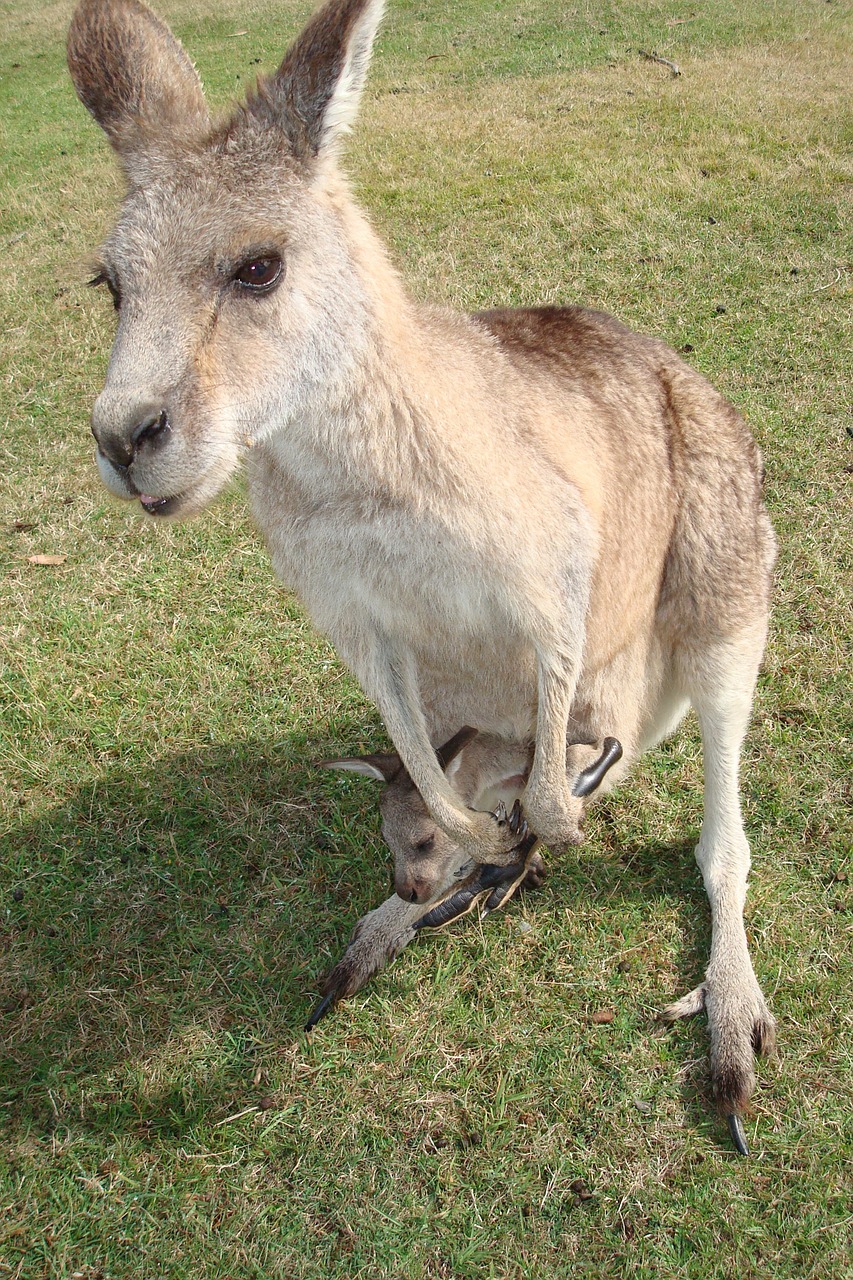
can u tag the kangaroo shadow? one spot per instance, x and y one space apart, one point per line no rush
155 913
169 928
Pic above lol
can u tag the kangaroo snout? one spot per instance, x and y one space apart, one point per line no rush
145 450
124 430
414 888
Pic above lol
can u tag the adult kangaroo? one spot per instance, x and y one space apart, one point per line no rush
535 523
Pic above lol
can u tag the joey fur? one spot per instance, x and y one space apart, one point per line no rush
621 576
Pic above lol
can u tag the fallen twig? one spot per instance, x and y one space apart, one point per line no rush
821 287
665 62
236 1116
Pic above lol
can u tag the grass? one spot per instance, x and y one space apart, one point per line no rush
176 875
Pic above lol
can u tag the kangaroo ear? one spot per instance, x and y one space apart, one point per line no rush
315 93
134 77
383 767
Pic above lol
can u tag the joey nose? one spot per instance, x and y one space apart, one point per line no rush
413 889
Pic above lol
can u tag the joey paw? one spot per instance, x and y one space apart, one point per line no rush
491 838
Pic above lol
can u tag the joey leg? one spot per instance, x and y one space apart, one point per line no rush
378 938
383 933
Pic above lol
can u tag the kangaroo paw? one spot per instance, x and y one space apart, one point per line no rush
518 823
495 836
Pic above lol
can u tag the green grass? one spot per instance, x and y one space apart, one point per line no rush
176 875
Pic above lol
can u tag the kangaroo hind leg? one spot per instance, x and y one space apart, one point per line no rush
739 1021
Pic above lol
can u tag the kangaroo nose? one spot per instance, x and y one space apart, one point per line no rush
413 888
114 449
121 449
152 426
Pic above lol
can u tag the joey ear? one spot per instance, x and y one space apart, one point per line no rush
315 93
134 77
383 767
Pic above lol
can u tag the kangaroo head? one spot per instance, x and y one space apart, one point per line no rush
426 861
239 302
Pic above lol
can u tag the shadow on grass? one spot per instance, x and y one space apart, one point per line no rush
167 930
184 913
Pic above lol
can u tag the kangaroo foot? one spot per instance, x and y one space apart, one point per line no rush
377 938
741 1026
534 876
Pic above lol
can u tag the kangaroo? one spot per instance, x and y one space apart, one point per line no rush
489 776
621 574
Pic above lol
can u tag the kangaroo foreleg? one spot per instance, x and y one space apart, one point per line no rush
388 673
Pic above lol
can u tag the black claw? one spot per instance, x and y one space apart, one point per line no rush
590 778
736 1130
526 844
516 818
490 876
494 899
320 1012
499 814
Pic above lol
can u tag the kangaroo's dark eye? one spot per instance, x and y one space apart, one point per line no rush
424 846
260 274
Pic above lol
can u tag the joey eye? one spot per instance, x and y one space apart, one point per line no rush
259 274
424 846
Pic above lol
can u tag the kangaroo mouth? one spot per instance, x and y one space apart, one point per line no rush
198 489
160 506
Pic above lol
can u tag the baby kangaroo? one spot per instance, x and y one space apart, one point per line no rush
625 571
435 882
488 775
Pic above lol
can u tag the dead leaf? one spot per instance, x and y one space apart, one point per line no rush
46 559
603 1015
24 526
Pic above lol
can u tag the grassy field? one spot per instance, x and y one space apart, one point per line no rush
177 875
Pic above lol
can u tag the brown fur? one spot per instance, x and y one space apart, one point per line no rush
535 522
